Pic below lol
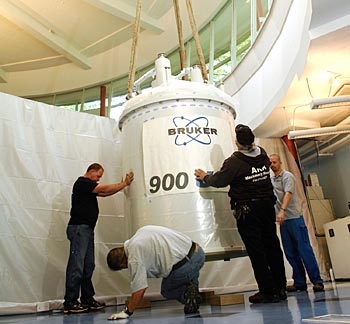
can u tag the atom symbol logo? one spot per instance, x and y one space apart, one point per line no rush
193 130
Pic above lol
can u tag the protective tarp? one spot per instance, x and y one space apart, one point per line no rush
43 149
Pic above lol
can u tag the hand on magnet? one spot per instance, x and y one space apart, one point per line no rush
200 174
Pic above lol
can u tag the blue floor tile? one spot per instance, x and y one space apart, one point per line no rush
330 306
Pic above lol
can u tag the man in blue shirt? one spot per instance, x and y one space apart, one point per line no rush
294 234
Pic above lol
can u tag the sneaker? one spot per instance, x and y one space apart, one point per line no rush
75 308
293 288
261 298
318 287
92 304
192 299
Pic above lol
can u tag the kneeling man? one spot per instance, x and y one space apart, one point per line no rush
160 252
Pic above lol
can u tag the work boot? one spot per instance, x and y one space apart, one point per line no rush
318 287
293 288
282 293
192 299
262 298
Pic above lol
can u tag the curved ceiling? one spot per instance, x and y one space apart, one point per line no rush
50 46
325 73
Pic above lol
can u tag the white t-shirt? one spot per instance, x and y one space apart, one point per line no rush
152 252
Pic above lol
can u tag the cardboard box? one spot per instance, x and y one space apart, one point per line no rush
322 212
314 192
313 179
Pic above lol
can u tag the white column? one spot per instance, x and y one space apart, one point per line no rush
234 35
211 52
253 25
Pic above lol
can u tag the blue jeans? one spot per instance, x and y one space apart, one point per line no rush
174 285
298 251
81 264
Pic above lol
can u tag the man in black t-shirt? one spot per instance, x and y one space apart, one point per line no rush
247 172
80 232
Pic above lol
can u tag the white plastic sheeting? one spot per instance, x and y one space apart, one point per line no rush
43 149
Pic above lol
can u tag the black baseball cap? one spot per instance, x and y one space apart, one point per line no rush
244 135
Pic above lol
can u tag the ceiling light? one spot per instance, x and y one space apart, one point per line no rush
331 102
323 131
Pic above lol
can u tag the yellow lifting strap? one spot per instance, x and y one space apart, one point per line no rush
132 66
136 31
180 35
197 41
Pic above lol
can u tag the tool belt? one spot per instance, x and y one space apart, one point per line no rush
244 201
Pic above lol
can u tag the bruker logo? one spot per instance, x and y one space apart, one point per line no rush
187 131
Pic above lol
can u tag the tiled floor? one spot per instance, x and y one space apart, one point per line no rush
331 306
